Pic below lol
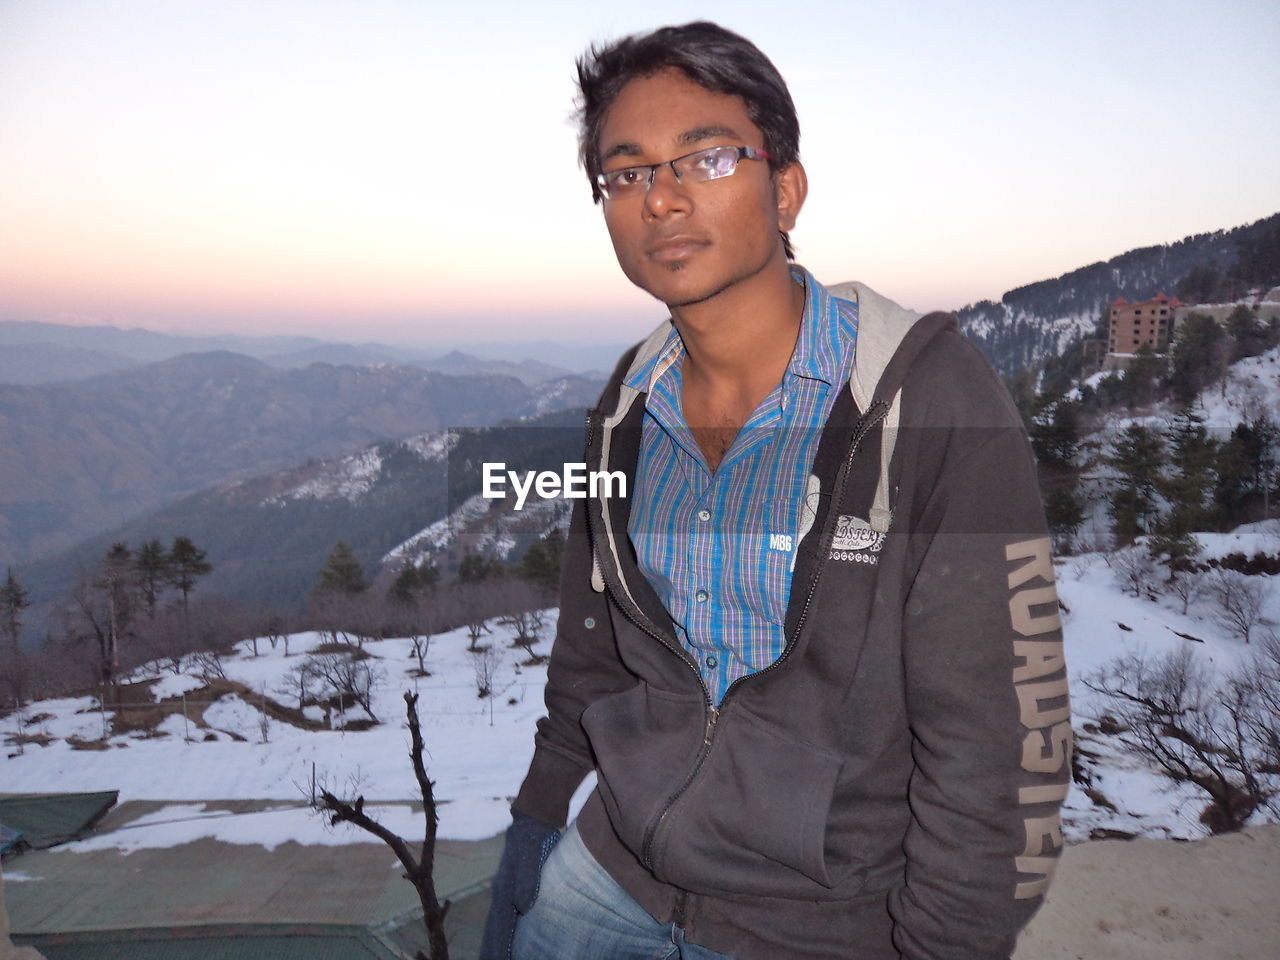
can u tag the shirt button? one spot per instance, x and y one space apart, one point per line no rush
701 596
711 662
704 515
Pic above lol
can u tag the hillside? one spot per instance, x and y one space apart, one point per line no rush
1039 319
244 737
268 535
85 457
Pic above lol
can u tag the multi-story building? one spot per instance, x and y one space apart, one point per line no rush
1136 325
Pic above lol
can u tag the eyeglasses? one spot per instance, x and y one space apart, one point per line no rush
713 163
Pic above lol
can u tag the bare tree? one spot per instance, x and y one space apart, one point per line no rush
419 869
484 663
521 602
297 684
1135 569
1241 601
1170 713
1264 724
342 676
1187 585
209 665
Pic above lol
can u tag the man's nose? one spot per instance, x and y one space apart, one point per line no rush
666 194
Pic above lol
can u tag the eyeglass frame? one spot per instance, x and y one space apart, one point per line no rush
743 153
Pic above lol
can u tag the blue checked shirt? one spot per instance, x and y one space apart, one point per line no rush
719 548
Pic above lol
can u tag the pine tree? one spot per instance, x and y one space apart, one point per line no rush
117 579
13 600
1188 487
1199 357
1056 437
153 563
1138 456
412 581
541 562
1064 513
342 573
475 567
186 563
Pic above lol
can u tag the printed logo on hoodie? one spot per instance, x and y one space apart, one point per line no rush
855 541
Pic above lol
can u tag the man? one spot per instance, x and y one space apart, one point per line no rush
814 658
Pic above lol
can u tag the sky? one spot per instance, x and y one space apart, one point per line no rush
406 171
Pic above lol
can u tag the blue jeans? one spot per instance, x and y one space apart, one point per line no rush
582 914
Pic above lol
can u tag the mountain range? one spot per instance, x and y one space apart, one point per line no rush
37 352
265 450
84 457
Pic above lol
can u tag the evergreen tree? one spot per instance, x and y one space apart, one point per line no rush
475 567
1248 336
1189 485
1022 388
1234 480
13 600
117 580
1056 436
186 563
541 562
152 563
1140 379
1138 457
1200 285
1199 357
1064 513
342 573
412 581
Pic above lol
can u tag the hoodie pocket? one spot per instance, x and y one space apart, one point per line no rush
645 742
754 820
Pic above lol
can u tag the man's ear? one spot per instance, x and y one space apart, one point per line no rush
791 186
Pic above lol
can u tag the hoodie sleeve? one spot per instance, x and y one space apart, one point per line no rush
584 667
986 685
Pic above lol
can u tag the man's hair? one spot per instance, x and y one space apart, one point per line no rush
712 57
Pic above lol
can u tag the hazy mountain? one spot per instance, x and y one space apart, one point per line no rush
268 535
1039 319
29 353
84 457
41 362
143 345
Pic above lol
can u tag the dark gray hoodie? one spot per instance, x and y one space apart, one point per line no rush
890 786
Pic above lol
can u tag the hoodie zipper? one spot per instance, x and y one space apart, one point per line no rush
875 413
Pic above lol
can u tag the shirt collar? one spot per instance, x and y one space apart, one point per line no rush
820 347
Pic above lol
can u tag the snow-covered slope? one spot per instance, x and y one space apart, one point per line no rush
224 749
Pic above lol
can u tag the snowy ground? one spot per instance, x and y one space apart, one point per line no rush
1147 803
478 763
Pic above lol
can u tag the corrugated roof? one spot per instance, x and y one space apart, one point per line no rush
45 819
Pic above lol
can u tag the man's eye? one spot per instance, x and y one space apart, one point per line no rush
626 177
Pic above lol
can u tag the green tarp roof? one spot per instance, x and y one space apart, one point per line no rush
206 900
334 943
45 819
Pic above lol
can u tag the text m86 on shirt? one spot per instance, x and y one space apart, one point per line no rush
573 482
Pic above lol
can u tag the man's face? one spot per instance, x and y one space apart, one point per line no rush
687 242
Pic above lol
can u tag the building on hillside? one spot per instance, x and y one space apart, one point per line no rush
1265 310
1136 325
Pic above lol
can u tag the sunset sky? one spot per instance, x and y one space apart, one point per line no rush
406 171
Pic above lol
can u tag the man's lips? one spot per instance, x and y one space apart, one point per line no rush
675 248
